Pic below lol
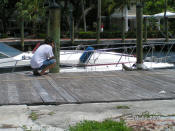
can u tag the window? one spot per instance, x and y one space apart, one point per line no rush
3 56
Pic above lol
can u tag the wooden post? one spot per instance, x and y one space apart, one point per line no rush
71 24
22 33
48 25
99 21
139 49
123 29
55 18
73 32
145 28
166 29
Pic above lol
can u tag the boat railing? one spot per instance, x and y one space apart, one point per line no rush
153 51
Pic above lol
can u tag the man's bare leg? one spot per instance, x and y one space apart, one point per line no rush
47 68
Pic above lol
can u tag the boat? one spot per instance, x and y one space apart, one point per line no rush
87 60
12 59
101 60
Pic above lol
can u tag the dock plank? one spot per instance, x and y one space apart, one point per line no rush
12 91
84 87
27 94
3 93
13 96
51 90
65 94
46 98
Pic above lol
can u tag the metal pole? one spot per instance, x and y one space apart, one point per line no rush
55 18
139 50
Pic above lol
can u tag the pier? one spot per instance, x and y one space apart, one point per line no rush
86 87
31 43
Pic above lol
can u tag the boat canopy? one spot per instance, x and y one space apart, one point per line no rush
8 50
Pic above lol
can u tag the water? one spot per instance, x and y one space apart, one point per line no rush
169 57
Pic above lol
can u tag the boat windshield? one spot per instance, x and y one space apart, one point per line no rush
8 50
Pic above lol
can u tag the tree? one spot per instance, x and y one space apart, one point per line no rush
36 12
88 7
123 6
108 7
29 10
157 6
98 20
23 14
154 7
7 9
166 21
84 17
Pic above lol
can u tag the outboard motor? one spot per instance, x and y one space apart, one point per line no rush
86 55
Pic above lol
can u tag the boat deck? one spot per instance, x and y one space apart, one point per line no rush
86 87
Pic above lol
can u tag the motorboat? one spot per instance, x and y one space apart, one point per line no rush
100 60
76 60
12 59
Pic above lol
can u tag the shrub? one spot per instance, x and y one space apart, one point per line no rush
89 34
107 125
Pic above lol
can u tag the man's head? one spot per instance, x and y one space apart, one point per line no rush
49 41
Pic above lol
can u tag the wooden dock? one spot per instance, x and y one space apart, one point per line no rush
87 87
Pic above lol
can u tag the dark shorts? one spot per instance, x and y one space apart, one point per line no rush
47 63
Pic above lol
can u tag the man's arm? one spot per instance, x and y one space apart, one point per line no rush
53 57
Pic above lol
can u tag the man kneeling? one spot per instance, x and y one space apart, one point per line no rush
43 58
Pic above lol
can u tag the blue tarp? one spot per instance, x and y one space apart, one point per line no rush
86 54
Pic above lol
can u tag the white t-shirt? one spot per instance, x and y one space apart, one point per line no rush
41 54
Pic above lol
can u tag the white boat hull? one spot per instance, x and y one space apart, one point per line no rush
99 61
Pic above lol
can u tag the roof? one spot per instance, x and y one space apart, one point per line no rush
168 14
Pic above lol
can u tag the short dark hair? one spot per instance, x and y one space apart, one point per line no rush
48 40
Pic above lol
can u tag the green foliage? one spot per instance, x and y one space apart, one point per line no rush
34 116
51 113
111 34
108 6
157 6
122 3
3 3
4 35
89 34
123 107
22 9
106 34
30 9
117 34
107 125
42 35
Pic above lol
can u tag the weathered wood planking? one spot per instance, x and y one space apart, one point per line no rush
3 93
58 88
27 94
61 91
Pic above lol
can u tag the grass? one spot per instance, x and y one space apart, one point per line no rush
34 116
122 107
107 125
146 114
24 127
51 113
